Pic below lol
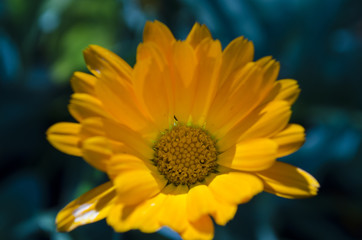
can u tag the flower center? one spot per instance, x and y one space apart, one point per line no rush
185 155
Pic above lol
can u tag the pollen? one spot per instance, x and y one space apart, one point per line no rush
185 155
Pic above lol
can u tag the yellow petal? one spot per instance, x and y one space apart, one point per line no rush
185 63
115 217
83 83
134 180
174 214
158 33
130 138
143 216
152 50
251 85
288 90
239 52
275 116
135 186
151 76
224 212
235 187
263 122
83 106
126 162
269 89
252 155
231 137
97 152
209 60
91 127
289 140
119 100
270 69
64 136
287 181
99 60
114 88
184 60
244 91
90 207
202 229
197 34
147 214
200 201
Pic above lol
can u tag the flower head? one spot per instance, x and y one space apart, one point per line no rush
186 135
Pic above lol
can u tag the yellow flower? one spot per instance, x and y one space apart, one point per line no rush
187 134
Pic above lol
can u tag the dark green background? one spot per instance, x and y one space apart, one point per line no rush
318 42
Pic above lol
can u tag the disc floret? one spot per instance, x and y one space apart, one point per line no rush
185 155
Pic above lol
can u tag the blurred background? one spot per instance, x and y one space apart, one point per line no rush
318 42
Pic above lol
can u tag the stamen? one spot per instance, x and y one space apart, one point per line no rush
185 155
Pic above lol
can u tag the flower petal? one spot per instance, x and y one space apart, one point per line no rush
115 217
202 229
159 33
156 31
197 34
185 61
83 83
97 152
92 127
114 87
147 214
287 181
270 68
289 140
99 61
126 162
200 201
246 90
174 214
224 212
209 61
151 76
90 207
83 106
135 186
143 216
64 136
242 87
252 155
288 90
132 139
119 100
263 122
235 187
275 117
239 52
134 180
